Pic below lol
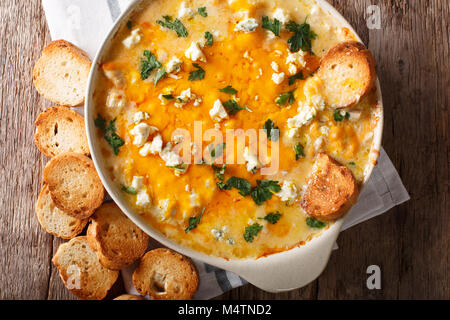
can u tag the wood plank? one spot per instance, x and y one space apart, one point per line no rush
25 250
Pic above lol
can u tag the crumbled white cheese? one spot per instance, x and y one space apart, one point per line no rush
197 101
218 112
292 68
185 12
170 157
185 97
139 116
137 183
324 130
247 56
305 114
253 162
174 65
317 101
163 204
162 99
141 133
174 76
194 52
288 191
116 99
354 115
281 16
269 34
116 77
153 147
142 198
218 234
275 66
278 77
193 198
187 188
178 138
295 60
247 25
133 39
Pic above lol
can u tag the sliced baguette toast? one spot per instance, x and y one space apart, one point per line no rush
60 129
165 275
74 184
331 190
117 241
53 220
129 297
60 74
81 272
348 73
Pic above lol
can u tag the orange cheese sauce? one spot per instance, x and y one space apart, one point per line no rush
245 62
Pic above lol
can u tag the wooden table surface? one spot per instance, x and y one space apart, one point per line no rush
410 242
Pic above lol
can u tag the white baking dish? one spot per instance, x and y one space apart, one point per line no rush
275 273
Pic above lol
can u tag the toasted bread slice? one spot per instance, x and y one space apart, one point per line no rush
74 184
81 272
61 73
165 275
60 129
117 241
348 74
53 220
129 297
331 190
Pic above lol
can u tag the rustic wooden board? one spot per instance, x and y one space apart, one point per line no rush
410 243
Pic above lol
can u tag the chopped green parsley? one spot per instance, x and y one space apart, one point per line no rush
202 12
285 98
252 231
272 217
198 74
148 64
299 151
209 38
194 221
109 133
301 39
228 89
314 223
264 190
174 25
338 116
273 132
273 25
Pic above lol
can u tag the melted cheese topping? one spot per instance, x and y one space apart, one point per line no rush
169 197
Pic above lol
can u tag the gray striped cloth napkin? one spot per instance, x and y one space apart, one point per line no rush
85 23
